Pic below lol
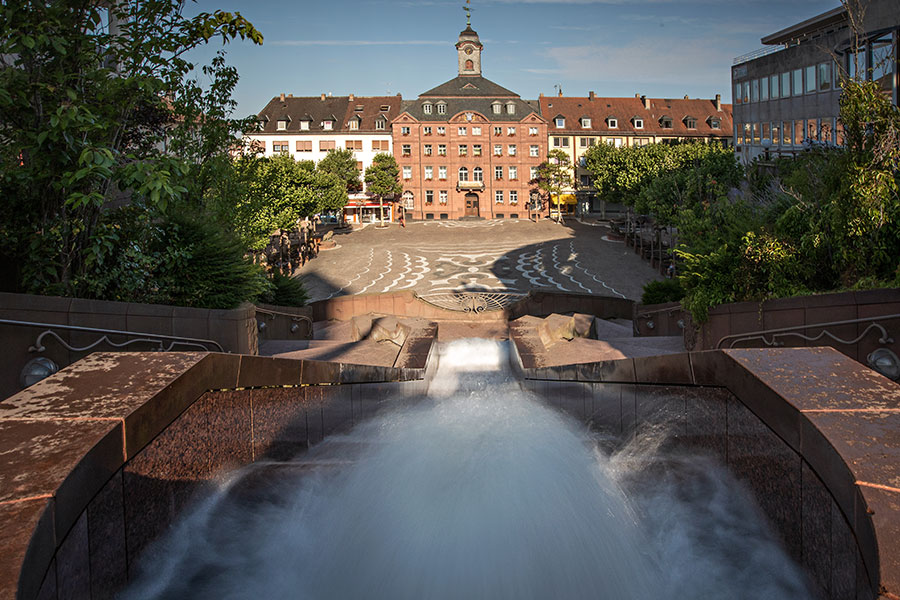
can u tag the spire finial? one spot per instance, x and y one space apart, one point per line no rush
468 10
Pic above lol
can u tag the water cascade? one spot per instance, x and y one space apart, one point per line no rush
476 491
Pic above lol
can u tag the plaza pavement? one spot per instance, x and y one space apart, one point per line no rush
434 257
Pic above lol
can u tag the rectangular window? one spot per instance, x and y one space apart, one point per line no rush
785 85
498 172
810 79
513 173
406 150
463 150
824 77
476 150
776 133
407 172
442 131
429 196
476 131
426 130
587 142
429 172
737 93
354 124
510 131
304 125
379 124
282 125
812 129
797 82
764 89
512 149
766 133
442 173
498 131
404 130
826 131
560 122
497 108
354 145
513 197
327 125
461 131
533 173
427 149
280 147
442 109
498 196
754 90
442 149
799 133
585 180
498 150
839 133
745 92
586 123
534 150
748 138
532 131
756 139
442 196
409 202
326 145
786 132
773 87
638 123
304 146
426 108
560 142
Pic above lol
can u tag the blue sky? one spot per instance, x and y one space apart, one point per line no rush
661 48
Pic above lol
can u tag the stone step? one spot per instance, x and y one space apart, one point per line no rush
333 330
613 328
274 347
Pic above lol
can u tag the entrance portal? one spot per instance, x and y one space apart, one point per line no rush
471 205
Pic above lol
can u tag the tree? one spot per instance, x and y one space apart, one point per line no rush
342 164
555 176
383 179
85 113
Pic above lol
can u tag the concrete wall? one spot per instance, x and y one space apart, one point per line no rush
809 431
234 329
101 457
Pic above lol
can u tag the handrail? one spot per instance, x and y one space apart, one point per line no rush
784 331
272 314
152 338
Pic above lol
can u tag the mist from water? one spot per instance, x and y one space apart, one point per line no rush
477 491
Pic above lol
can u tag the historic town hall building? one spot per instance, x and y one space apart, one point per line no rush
469 146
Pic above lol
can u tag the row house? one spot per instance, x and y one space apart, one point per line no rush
787 94
308 127
577 123
468 147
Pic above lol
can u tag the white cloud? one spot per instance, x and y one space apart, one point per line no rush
357 43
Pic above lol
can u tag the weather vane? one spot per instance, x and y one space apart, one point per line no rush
468 10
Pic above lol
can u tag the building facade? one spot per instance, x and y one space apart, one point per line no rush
468 147
308 127
786 96
577 123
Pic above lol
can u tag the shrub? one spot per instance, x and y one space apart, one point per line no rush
285 291
659 292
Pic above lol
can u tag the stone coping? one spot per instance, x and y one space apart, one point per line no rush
842 418
63 438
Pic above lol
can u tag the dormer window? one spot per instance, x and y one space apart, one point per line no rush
585 122
282 124
510 108
690 122
638 123
385 108
714 123
360 108
327 125
426 108
379 124
304 125
560 122
665 122
442 108
497 108
353 124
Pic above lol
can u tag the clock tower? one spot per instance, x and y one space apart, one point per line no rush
468 49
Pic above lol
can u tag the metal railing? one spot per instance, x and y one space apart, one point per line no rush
757 54
139 337
795 331
295 318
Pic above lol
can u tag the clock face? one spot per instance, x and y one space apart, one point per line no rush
469 50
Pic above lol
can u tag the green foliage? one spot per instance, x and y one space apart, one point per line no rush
86 114
342 164
662 291
285 291
554 175
382 176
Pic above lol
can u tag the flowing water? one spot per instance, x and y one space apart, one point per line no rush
478 491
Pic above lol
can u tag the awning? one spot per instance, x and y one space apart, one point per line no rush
565 199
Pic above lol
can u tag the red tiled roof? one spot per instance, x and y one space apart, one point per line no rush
625 109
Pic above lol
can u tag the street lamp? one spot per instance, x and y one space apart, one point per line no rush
767 145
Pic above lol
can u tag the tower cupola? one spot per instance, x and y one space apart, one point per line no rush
468 48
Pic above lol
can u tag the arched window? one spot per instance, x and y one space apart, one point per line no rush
477 174
463 174
408 201
470 65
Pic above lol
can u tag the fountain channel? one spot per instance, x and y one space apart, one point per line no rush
476 490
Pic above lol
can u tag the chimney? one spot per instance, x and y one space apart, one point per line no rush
590 96
638 96
686 97
719 102
290 95
560 93
541 95
351 97
646 102
322 97
282 96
